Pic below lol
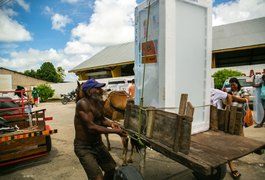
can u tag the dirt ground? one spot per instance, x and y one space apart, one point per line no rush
61 162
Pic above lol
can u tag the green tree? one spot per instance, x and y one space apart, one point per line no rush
45 92
221 75
60 73
31 73
48 72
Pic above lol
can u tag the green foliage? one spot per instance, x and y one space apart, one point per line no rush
45 92
47 72
60 73
31 73
221 75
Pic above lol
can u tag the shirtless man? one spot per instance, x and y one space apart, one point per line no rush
90 123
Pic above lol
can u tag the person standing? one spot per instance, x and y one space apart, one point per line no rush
239 96
35 95
131 89
90 123
262 86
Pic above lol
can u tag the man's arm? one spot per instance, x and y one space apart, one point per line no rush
240 99
87 117
109 123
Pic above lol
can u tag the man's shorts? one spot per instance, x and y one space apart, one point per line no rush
94 158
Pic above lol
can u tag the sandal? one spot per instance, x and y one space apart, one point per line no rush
258 126
235 174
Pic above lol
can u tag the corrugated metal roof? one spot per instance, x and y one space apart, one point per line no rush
240 34
112 55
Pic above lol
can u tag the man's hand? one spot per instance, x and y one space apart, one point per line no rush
115 125
122 133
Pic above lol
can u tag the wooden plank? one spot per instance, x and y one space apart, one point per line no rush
213 118
177 141
164 127
232 120
150 122
226 120
206 154
221 119
238 125
22 143
190 162
228 146
183 103
185 135
20 154
190 110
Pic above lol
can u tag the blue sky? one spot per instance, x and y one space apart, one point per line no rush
67 32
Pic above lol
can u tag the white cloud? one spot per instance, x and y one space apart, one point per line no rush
111 23
77 47
24 5
48 10
59 21
11 30
33 59
239 10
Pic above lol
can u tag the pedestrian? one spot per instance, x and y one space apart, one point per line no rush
261 96
23 100
90 123
35 95
131 89
239 96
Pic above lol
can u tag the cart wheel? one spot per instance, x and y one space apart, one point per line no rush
64 101
48 143
127 173
218 174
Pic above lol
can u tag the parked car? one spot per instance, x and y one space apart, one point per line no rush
245 82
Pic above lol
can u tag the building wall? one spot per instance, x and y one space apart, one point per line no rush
22 80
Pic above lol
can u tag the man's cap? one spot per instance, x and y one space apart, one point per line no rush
92 83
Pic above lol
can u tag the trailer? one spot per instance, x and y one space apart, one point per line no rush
24 134
205 153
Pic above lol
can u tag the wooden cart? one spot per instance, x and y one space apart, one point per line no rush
205 153
33 137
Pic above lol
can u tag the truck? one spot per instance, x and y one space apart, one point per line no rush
24 134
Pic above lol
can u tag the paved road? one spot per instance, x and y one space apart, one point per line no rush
62 163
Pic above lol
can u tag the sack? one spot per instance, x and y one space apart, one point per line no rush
248 119
262 93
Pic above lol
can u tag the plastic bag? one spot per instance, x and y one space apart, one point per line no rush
248 119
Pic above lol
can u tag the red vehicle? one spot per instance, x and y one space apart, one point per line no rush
23 134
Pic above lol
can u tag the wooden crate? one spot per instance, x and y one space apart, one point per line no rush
229 121
169 129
